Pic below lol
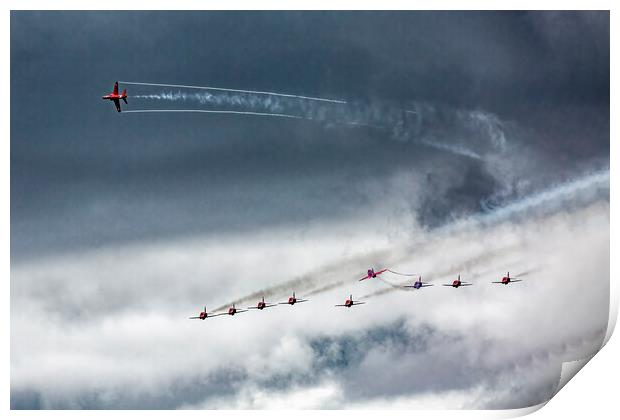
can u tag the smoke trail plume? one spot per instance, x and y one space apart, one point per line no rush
257 92
214 111
465 133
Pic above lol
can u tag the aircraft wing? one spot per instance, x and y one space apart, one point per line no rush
408 285
364 278
467 284
211 316
358 303
516 280
241 310
116 88
448 285
117 104
340 305
284 303
253 307
194 317
301 300
269 305
496 282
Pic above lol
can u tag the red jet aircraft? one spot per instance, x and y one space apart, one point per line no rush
203 315
458 283
232 310
419 284
262 305
372 274
114 96
350 302
507 279
292 300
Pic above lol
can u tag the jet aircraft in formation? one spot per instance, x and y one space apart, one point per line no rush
507 279
262 305
204 315
292 300
458 283
350 302
419 284
232 310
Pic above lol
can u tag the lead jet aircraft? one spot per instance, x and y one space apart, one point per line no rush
114 96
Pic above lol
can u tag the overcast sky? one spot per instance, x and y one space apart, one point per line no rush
471 143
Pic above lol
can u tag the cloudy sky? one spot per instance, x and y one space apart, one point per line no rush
462 143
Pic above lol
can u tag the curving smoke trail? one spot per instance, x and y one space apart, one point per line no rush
466 133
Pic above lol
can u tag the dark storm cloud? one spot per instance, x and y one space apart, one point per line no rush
81 176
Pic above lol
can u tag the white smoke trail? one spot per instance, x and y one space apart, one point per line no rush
257 92
248 101
469 133
456 149
374 116
583 187
214 111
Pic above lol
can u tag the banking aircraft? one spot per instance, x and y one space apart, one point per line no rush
371 273
114 96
